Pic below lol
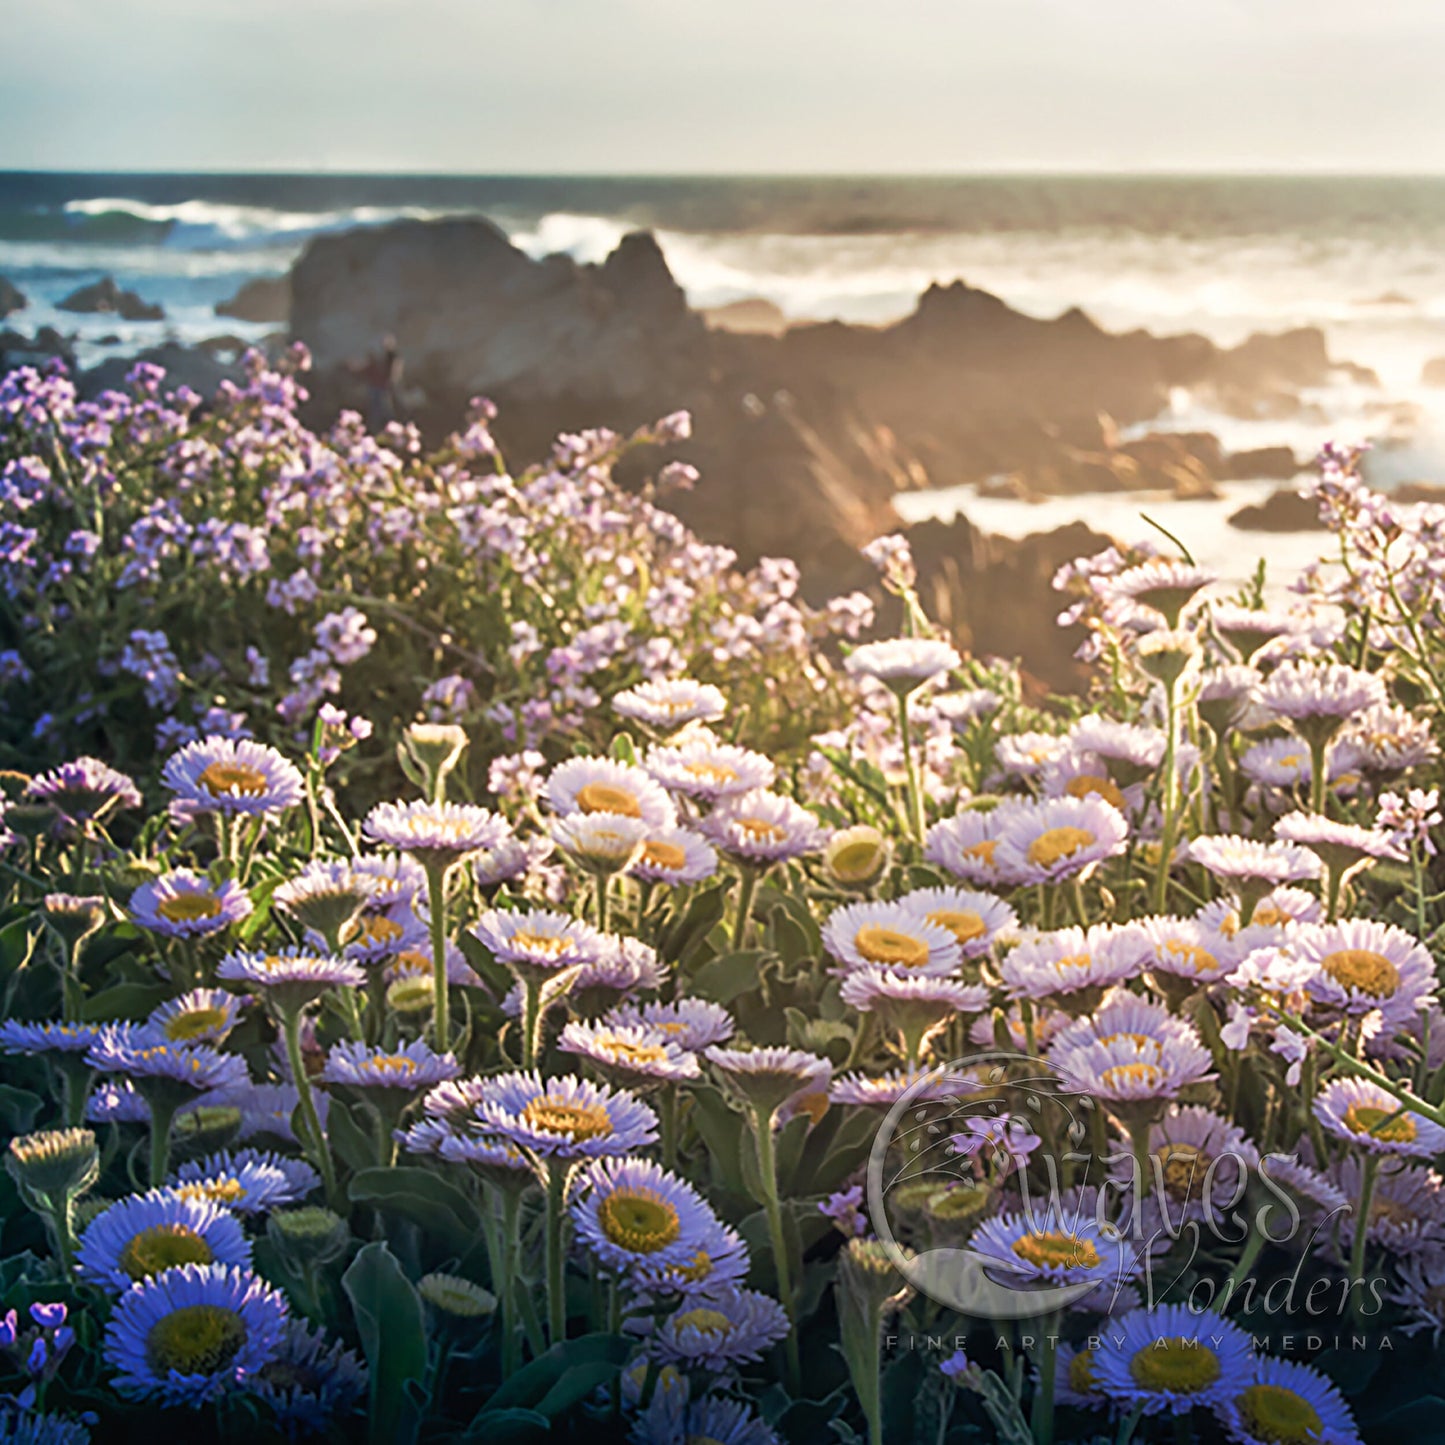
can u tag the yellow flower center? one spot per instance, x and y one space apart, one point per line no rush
1057 844
1081 1373
549 944
1384 1210
229 779
713 772
1181 955
627 1052
1142 1042
1055 1249
697 1271
1120 1076
762 831
196 1023
664 855
983 850
640 1221
963 923
188 907
890 947
1292 760
603 798
1100 787
196 1340
218 1191
1361 969
391 1064
578 1121
378 928
1268 915
1276 1414
163 1246
1073 960
1182 1366
704 1321
1386 1124
1184 1167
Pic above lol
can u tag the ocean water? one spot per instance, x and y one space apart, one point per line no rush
1362 258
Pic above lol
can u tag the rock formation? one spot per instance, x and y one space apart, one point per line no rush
266 299
12 298
105 296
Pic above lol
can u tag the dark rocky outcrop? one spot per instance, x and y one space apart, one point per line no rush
752 316
184 366
37 350
267 299
107 297
1282 511
12 298
1275 464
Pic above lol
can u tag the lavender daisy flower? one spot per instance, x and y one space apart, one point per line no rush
1058 838
599 843
538 940
633 1213
1342 847
966 845
202 1016
225 775
718 1332
246 1181
83 791
703 767
1177 951
1318 698
720 1262
509 860
1364 965
916 1006
760 828
600 785
634 1056
411 1067
1407 1207
1026 755
565 1118
893 936
1030 1249
767 1079
437 835
961 709
309 1382
18 1037
902 664
694 1023
1244 862
1366 1116
885 1090
675 856
976 920
147 1234
147 1059
1283 1400
1171 1359
1072 966
193 1333
291 978
671 704
184 904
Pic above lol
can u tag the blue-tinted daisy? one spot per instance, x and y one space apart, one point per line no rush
1171 1359
768 1078
670 1419
976 920
1052 1247
202 1016
762 828
1133 1069
634 1213
1407 1206
719 1331
1058 838
892 936
232 776
601 785
509 860
719 1262
183 904
115 1101
309 1382
675 856
248 1181
1072 966
147 1058
537 940
669 704
625 965
408 1067
694 1023
1364 965
885 1090
84 790
193 1333
146 1234
903 664
19 1037
1077 774
1074 1382
1283 1402
1199 1160
701 766
565 1118
494 1159
634 1055
1364 1115
22 1425
437 835
291 977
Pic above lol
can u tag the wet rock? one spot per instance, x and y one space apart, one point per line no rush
37 350
266 299
106 297
1282 511
1261 464
12 298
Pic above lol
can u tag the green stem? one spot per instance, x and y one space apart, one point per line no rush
1368 1170
768 1172
311 1121
910 769
1127 1424
604 881
1318 749
556 1260
162 1116
507 1286
436 877
747 886
1170 801
667 1113
1043 1410
531 1021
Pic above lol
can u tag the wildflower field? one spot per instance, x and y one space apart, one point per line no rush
480 966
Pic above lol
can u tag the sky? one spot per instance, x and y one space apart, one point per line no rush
740 86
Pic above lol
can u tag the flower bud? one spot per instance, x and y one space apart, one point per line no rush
55 1166
310 1235
857 857
435 749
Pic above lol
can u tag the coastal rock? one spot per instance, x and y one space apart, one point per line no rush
752 316
12 298
184 366
105 296
44 346
1433 372
1261 464
1432 493
266 299
1282 511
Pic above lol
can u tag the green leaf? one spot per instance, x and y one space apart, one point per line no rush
440 1208
353 1145
724 979
125 1001
19 1109
498 1427
389 1319
544 1384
